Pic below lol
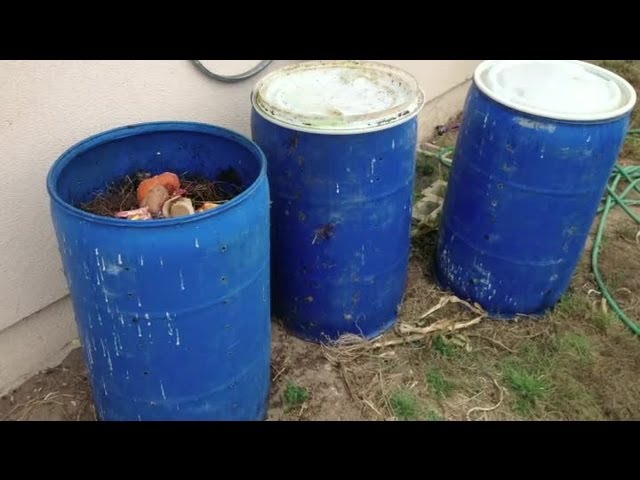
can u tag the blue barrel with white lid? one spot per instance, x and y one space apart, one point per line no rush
537 143
340 139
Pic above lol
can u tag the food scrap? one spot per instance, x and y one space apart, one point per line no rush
141 196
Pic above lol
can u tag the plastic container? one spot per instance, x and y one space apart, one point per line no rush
537 144
340 140
173 314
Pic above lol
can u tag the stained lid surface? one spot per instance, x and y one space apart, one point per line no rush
338 97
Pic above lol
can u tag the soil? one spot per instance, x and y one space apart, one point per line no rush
64 392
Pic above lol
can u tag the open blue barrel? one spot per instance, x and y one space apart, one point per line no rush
173 314
537 144
340 140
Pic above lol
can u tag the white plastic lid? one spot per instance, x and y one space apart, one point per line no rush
558 89
338 97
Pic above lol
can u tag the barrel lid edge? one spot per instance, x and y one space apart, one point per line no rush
365 123
623 84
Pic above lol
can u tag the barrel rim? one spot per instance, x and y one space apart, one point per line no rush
147 127
387 120
588 117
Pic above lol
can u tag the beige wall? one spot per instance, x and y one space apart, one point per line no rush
46 106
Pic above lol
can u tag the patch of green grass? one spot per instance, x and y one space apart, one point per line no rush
404 405
577 345
433 416
573 304
444 348
529 387
576 306
294 395
438 384
603 320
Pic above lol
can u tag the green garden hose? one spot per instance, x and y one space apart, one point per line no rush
630 174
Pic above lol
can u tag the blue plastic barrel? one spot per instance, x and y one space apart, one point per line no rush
174 314
340 140
537 144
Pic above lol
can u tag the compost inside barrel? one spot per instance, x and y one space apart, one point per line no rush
203 193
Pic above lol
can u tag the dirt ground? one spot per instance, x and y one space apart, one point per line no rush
579 362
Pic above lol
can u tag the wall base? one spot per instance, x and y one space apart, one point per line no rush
35 343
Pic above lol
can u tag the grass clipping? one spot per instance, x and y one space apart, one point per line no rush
350 346
361 361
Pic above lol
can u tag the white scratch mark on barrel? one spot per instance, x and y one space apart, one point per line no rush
102 264
126 376
109 361
99 319
88 349
104 352
115 346
197 243
161 262
337 188
121 319
139 302
139 419
532 124
141 261
177 337
98 279
373 169
119 259
588 138
104 387
164 396
139 331
181 280
393 144
146 315
169 327
484 125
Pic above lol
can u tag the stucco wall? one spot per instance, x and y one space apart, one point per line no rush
46 106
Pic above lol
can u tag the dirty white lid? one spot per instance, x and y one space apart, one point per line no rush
559 89
338 97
